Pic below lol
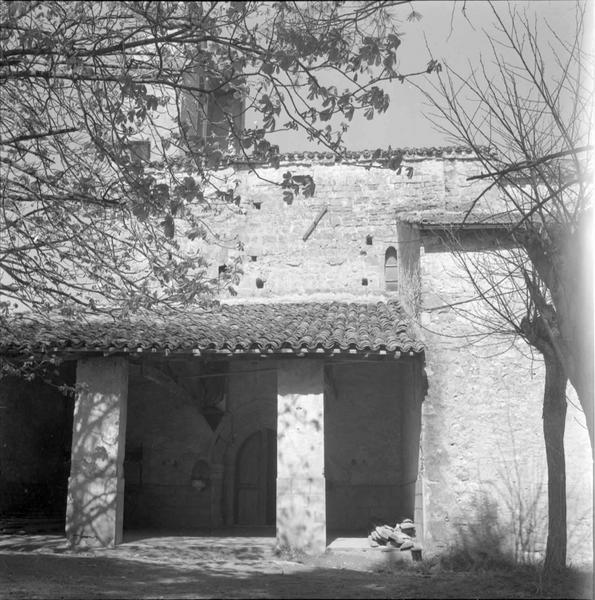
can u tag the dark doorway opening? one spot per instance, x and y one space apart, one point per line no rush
371 456
256 479
36 433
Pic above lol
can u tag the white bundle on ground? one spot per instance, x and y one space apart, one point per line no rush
401 536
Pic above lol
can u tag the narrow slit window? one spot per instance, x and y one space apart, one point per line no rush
391 270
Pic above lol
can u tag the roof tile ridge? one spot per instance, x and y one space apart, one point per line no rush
375 153
341 298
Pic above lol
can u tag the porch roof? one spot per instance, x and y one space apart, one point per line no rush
254 328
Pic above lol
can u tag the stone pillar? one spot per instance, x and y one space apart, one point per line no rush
301 494
95 506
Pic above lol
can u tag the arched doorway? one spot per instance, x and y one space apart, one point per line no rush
256 477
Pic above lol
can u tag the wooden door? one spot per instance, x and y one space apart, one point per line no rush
256 474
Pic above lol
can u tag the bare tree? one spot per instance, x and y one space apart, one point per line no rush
527 115
114 116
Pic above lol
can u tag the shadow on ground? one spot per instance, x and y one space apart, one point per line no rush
203 567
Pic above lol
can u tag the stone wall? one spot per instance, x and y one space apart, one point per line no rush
483 457
345 252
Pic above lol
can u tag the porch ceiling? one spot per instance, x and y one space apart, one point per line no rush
307 327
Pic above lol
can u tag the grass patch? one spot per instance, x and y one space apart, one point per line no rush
571 582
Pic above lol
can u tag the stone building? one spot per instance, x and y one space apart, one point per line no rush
340 385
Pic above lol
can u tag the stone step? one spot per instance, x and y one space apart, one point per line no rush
362 545
11 525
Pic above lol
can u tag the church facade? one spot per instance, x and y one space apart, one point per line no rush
340 385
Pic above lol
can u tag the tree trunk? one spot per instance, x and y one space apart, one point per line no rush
568 274
554 420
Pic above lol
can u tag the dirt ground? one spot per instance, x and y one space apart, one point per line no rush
42 566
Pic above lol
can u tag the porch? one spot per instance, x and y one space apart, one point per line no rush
301 435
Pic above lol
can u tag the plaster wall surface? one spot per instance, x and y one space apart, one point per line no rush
166 436
483 458
252 396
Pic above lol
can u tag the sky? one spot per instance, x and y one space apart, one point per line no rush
443 33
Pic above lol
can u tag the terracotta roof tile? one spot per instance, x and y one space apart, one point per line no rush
371 155
267 328
354 156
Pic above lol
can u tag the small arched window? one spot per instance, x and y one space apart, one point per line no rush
391 270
